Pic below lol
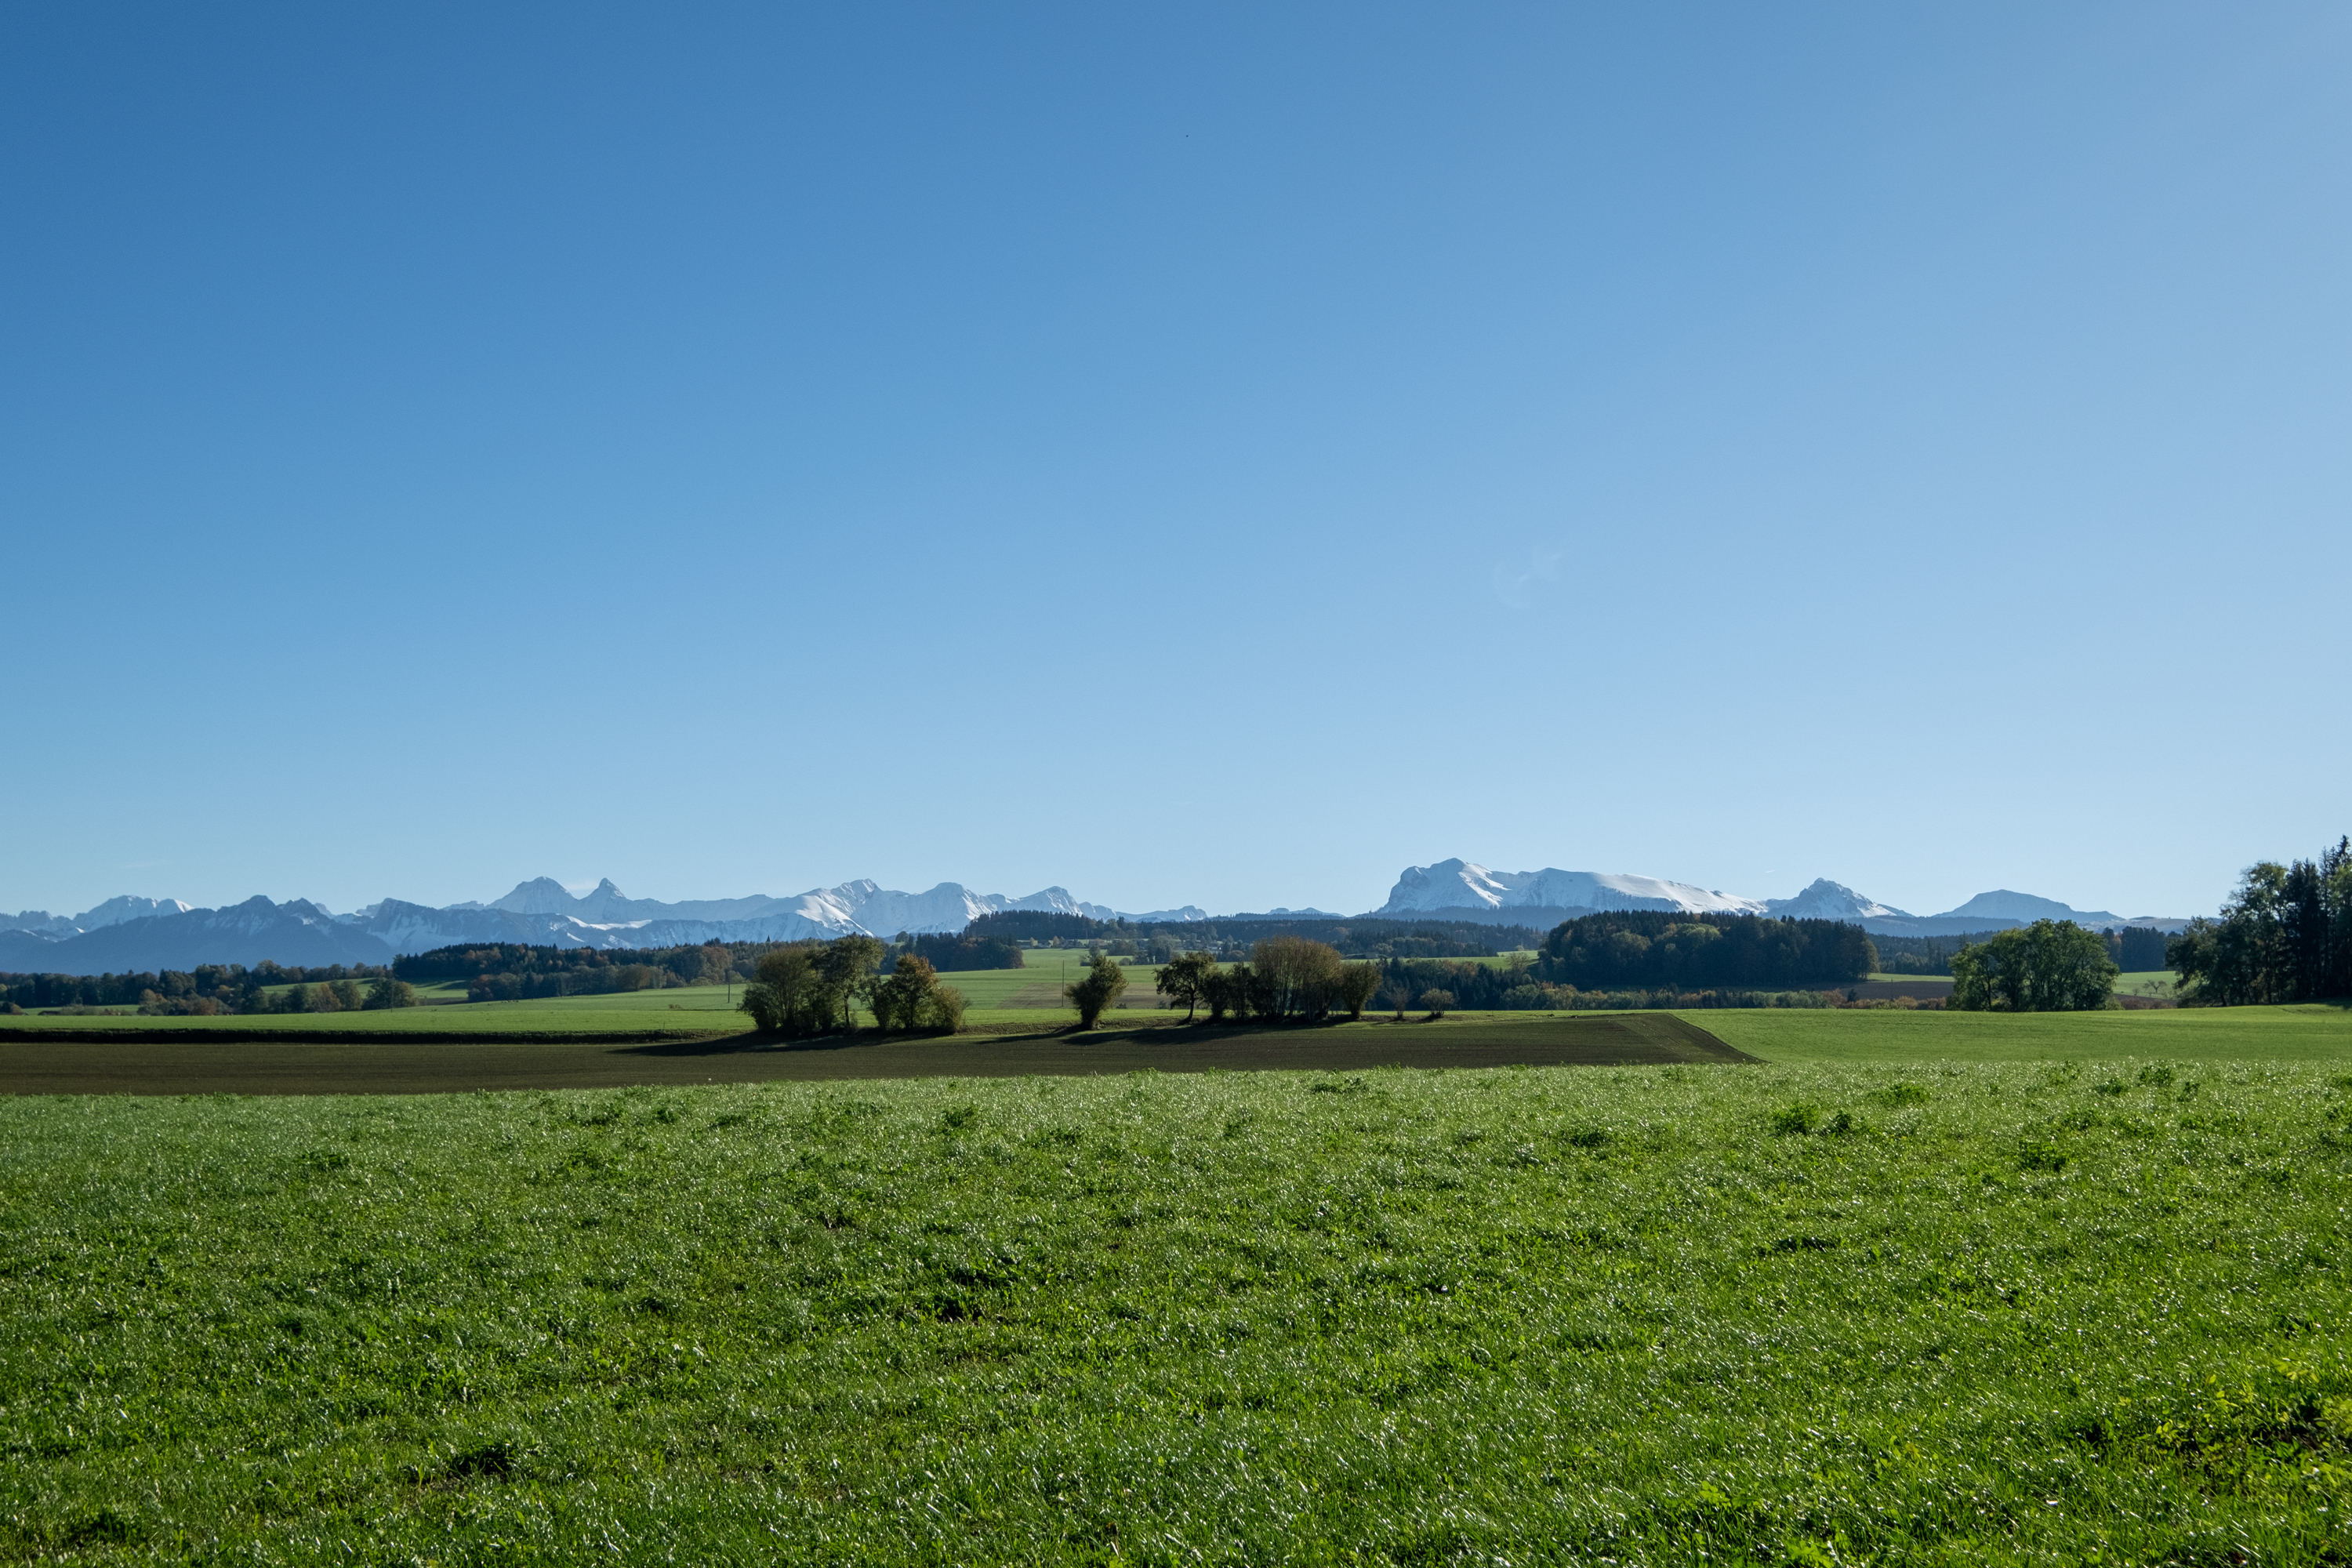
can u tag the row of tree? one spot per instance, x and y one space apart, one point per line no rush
1292 977
2285 935
1284 977
507 970
1161 940
2131 949
971 948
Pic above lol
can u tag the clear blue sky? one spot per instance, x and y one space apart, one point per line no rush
1188 455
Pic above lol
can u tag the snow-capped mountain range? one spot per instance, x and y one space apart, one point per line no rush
1463 889
130 934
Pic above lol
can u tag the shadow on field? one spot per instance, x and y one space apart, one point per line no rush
96 1062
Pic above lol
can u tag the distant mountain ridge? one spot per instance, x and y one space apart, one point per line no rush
130 935
114 912
1463 889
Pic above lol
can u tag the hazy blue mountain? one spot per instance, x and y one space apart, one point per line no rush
296 933
134 933
114 912
2024 908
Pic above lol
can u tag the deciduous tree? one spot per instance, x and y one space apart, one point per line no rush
2050 966
1185 979
1104 984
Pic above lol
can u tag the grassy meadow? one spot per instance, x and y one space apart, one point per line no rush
2317 1033
1832 1309
1918 1288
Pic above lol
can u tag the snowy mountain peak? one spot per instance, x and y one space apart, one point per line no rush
114 912
540 896
1466 884
1828 901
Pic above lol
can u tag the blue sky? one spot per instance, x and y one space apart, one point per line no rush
1184 454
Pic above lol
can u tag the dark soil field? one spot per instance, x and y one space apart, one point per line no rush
1927 987
166 1061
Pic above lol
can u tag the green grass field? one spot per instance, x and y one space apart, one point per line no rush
2316 1034
2157 983
1877 1301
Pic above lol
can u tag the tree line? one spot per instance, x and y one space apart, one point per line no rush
1286 976
2285 935
1296 978
970 948
1163 940
1654 949
209 988
513 972
2133 949
1438 985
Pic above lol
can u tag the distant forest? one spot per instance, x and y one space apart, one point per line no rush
1650 959
512 971
971 948
1649 950
2131 949
1407 984
207 988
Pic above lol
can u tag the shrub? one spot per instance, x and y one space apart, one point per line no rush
390 993
942 1011
1795 1120
1435 1003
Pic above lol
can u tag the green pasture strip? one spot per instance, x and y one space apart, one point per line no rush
2314 1033
1950 1313
2158 983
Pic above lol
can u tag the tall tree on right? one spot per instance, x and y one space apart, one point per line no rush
2285 935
